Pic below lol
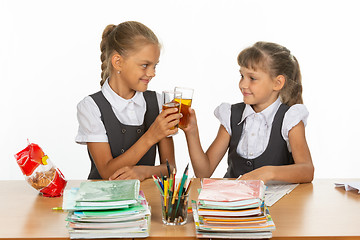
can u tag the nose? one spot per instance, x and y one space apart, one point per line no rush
151 72
243 84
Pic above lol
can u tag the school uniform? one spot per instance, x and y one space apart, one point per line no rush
259 139
106 117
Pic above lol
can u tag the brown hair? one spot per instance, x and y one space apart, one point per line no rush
123 38
276 60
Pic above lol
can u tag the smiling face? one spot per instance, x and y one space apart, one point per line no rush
136 70
259 89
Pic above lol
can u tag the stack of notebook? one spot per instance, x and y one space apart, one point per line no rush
232 209
107 209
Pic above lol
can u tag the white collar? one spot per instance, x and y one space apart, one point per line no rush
268 113
118 102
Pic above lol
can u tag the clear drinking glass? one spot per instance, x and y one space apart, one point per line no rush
187 95
171 99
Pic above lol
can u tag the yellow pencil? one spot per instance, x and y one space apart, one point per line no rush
175 193
165 191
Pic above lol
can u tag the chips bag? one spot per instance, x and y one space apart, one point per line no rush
40 172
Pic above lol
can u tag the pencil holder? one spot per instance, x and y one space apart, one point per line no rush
174 209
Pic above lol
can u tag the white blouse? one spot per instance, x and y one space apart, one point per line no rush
128 111
257 126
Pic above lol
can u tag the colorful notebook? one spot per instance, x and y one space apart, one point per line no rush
222 190
95 191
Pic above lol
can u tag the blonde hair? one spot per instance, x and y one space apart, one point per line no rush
123 38
276 60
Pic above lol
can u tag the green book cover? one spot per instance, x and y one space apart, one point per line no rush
108 190
131 210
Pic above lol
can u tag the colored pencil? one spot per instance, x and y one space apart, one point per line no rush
157 184
168 167
188 187
174 173
182 184
165 190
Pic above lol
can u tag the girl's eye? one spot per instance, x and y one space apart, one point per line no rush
241 76
144 65
252 78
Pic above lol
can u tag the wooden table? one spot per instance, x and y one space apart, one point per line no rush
311 211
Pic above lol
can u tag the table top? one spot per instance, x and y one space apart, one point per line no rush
311 211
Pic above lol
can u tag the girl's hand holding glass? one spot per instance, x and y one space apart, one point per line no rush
165 124
191 126
171 99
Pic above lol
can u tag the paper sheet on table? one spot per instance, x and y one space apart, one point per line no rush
275 191
349 185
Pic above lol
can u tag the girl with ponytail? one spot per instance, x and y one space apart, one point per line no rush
121 124
265 134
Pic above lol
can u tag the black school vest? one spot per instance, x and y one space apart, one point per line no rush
120 136
275 154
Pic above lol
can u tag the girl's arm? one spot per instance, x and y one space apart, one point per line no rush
166 152
204 164
123 166
300 172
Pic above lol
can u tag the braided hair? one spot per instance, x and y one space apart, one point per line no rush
123 38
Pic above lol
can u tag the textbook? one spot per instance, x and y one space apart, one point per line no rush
107 224
141 224
253 227
224 190
70 204
101 191
107 209
232 209
229 212
233 205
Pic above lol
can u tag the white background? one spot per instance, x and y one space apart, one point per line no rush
50 60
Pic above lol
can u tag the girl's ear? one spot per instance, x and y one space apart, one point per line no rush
279 82
117 61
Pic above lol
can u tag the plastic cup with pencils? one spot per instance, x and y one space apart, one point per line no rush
171 214
174 198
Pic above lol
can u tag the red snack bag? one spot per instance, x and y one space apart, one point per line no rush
40 172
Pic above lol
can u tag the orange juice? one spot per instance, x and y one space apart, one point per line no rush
184 109
171 105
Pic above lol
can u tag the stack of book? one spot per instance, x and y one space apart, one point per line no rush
232 209
107 209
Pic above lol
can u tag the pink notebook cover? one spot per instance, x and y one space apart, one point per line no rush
221 190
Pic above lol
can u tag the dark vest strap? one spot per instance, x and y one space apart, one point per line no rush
120 136
236 128
275 154
152 108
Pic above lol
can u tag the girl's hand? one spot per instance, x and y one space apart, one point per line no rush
263 173
133 172
163 123
192 126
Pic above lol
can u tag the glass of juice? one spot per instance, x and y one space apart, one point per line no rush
171 99
187 95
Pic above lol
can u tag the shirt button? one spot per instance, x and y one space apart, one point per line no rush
139 130
250 154
248 163
122 150
253 134
123 130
